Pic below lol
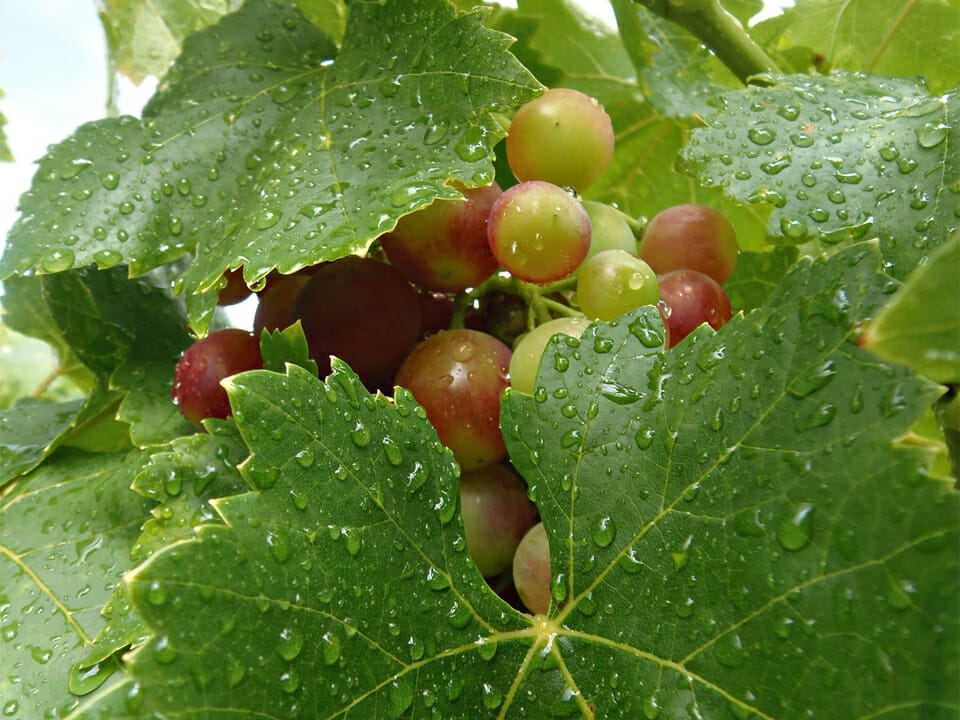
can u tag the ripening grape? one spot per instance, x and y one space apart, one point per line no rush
563 137
496 515
690 299
196 386
526 356
531 570
503 315
609 229
690 237
458 376
275 306
444 246
436 311
615 282
363 312
538 231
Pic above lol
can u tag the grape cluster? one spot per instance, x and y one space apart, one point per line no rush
460 299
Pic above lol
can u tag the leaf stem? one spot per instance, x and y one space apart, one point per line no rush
47 381
710 22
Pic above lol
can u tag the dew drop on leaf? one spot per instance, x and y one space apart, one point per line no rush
796 529
604 530
291 643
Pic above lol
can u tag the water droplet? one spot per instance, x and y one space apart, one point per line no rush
279 546
267 218
400 696
761 135
57 261
644 437
291 642
931 135
360 435
618 393
796 529
330 648
305 457
604 530
156 593
651 707
110 180
822 415
492 697
813 379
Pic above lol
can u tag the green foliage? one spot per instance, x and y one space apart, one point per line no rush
286 346
920 327
756 275
5 154
26 365
838 159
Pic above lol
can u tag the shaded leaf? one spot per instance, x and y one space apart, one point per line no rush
409 96
286 346
756 275
57 568
838 159
893 37
920 326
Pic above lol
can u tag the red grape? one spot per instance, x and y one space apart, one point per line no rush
196 386
531 570
496 515
363 312
690 237
689 299
275 309
444 246
458 375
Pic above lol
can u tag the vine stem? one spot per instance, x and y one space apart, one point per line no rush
710 22
47 381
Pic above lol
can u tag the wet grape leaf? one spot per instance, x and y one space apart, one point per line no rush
182 479
343 583
33 428
920 326
288 345
578 52
756 275
409 97
895 37
130 332
65 536
837 159
144 37
732 532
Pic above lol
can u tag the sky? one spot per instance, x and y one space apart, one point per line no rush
53 71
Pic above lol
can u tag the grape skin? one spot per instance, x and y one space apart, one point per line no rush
276 303
196 386
615 282
458 376
531 570
609 230
538 231
496 515
563 137
526 356
690 237
689 299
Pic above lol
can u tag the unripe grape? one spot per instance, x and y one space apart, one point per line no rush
615 282
690 299
531 570
496 515
458 376
563 137
196 386
444 246
690 237
609 229
538 232
527 354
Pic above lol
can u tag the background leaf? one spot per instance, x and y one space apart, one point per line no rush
409 97
5 154
838 159
920 326
893 37
25 366
288 345
57 568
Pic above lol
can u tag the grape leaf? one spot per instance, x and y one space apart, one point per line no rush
410 97
756 275
920 326
131 332
355 523
182 479
839 158
144 37
731 530
581 54
749 560
288 345
905 37
65 535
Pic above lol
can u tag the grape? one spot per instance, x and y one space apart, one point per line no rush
196 385
436 312
609 229
615 282
235 290
538 231
531 570
526 356
690 237
563 137
275 308
444 246
496 515
690 299
458 375
362 311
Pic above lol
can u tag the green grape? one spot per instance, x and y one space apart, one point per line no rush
609 229
615 282
526 356
563 137
538 231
